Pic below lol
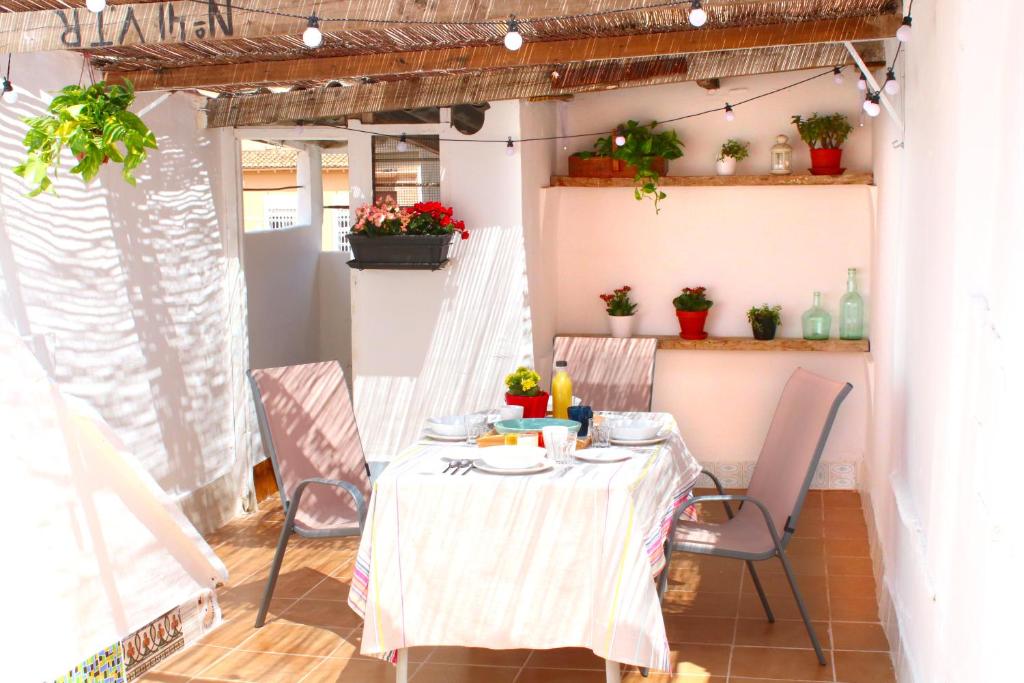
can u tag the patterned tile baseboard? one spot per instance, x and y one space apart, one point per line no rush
829 475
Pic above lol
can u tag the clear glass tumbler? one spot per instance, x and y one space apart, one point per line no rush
600 434
476 426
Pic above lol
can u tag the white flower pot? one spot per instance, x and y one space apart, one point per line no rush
621 325
726 166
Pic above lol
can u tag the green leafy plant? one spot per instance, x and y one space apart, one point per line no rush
736 149
617 303
764 314
643 147
823 131
523 382
693 299
95 124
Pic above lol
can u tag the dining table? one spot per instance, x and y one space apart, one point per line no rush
567 557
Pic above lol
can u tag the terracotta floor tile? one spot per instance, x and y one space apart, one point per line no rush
779 664
859 636
353 643
461 673
693 660
261 667
355 671
529 675
803 565
844 515
242 625
701 603
849 566
637 677
714 574
852 586
693 629
478 656
838 499
778 584
783 633
165 677
331 588
864 667
845 608
800 547
846 530
784 606
565 658
322 613
284 637
847 547
809 527
191 660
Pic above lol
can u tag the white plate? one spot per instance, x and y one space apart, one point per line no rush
512 458
443 437
604 454
540 467
642 442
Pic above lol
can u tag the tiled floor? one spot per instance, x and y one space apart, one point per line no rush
714 620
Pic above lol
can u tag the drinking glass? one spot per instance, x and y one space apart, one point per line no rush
476 426
600 434
559 443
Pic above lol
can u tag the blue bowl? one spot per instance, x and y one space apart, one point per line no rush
534 424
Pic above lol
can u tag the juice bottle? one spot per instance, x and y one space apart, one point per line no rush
561 391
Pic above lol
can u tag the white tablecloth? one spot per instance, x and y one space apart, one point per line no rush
559 559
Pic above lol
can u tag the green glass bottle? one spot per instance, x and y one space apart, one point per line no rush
851 309
816 320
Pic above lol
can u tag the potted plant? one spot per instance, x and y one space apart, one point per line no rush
523 389
731 152
386 235
764 321
644 156
620 311
692 311
824 134
95 124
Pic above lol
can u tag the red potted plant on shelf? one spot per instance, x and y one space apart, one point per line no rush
523 389
824 134
692 311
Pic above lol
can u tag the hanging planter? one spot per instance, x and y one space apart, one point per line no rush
95 124
389 237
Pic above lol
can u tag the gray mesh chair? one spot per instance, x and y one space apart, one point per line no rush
768 513
609 373
309 430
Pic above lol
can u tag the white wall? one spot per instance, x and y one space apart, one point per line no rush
335 309
757 122
944 464
138 293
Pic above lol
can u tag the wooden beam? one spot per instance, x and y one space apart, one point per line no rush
76 28
456 60
440 91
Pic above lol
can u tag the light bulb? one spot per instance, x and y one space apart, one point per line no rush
862 83
513 38
403 144
892 86
312 36
729 113
620 140
96 6
9 96
904 31
510 149
837 75
871 107
698 17
555 75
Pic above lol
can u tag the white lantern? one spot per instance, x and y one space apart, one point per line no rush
782 156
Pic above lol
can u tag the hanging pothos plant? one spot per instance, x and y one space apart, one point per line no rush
95 124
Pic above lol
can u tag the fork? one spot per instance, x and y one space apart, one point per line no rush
459 464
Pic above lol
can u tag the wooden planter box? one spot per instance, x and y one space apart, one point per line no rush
606 167
404 252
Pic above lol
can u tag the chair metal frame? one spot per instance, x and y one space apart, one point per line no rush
779 542
291 505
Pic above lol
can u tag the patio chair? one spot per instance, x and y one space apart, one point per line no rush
768 512
608 373
309 430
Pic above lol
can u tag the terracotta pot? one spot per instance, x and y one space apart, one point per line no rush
725 166
621 326
826 161
606 167
691 324
533 406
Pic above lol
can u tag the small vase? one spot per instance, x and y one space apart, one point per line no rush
816 321
533 406
725 166
851 309
691 324
621 326
763 329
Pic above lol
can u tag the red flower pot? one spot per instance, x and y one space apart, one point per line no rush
691 324
533 406
826 161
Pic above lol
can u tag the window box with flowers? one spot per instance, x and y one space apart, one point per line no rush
417 238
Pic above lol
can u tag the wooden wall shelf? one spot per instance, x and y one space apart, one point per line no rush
676 343
801 179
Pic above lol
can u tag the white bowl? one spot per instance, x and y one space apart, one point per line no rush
635 430
449 425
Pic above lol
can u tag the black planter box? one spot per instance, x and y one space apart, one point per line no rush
405 252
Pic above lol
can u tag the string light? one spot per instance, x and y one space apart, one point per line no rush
312 37
871 106
730 115
903 33
892 86
862 83
403 144
555 75
697 16
510 149
7 92
837 75
96 6
620 139
513 38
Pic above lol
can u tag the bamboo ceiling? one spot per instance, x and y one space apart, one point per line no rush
441 53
